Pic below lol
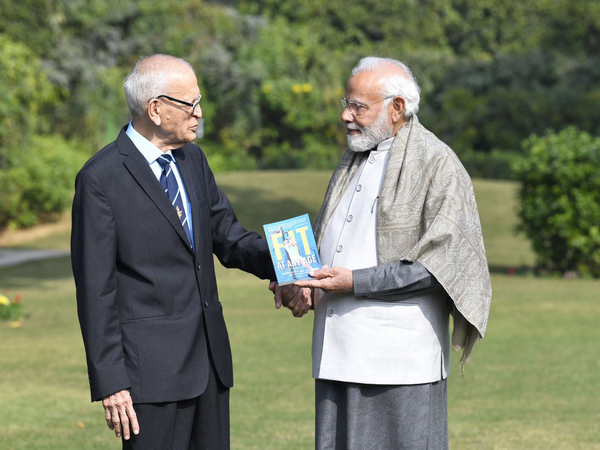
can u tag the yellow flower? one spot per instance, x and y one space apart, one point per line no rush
307 87
267 88
297 88
81 424
4 300
15 324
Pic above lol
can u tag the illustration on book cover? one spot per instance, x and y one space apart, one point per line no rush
293 249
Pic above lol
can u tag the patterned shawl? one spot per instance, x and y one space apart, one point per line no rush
427 213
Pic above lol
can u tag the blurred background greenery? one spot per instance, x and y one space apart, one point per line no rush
493 74
272 72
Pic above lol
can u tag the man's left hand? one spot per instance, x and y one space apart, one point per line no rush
330 280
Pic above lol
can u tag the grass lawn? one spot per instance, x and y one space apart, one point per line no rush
529 384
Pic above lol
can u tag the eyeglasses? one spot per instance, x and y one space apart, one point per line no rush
193 105
357 107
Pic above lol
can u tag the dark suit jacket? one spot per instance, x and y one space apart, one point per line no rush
147 304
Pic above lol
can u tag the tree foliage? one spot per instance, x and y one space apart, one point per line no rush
560 200
496 104
25 92
272 71
490 71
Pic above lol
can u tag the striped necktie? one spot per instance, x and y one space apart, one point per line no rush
171 187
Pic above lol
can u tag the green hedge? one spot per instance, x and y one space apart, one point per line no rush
560 200
37 185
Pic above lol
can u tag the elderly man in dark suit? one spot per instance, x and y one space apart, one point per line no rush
147 218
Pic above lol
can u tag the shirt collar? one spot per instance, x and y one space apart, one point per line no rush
150 151
385 145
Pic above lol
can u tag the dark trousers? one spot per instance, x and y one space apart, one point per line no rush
200 423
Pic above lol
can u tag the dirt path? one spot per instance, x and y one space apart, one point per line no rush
11 238
10 256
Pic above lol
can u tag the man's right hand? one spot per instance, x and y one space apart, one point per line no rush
298 300
119 414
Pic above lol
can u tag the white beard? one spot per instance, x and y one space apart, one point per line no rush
371 136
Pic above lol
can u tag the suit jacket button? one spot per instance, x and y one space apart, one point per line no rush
330 312
198 268
206 304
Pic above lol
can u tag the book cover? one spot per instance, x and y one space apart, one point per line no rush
293 249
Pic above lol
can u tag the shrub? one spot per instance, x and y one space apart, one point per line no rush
560 200
37 185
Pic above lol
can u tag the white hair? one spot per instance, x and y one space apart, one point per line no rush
149 78
393 84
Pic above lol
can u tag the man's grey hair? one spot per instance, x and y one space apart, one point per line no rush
151 77
393 84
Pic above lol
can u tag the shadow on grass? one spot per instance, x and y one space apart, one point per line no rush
504 270
256 207
41 270
512 270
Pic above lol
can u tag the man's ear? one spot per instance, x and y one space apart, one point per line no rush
153 109
398 108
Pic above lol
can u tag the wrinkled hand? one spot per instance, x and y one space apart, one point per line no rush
297 299
119 414
330 280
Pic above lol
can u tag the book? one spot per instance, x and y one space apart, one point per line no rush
293 249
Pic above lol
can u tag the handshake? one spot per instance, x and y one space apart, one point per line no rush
298 297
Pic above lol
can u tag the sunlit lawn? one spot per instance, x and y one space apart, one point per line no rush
531 384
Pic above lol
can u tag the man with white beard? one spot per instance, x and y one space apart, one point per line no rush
400 234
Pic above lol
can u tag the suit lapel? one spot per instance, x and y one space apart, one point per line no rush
139 169
190 176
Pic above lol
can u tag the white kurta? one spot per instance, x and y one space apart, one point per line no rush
369 341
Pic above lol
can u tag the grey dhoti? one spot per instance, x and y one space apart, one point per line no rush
351 416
